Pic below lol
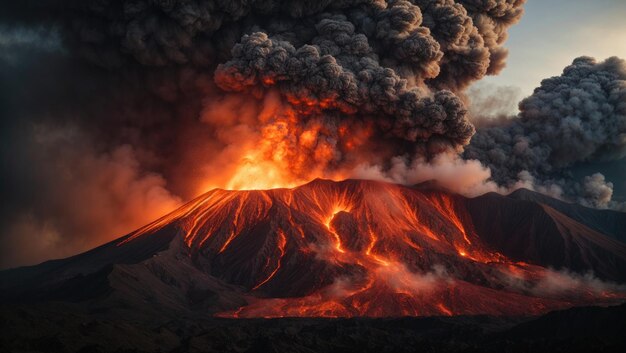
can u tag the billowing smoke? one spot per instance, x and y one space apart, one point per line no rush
575 118
389 67
199 94
597 192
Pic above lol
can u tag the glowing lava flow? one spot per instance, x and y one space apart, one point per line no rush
446 207
352 248
332 231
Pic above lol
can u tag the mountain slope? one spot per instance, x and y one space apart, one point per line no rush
608 222
340 249
535 232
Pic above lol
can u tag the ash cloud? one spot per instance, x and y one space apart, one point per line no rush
394 64
367 80
572 119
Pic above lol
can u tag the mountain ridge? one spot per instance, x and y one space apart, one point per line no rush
350 248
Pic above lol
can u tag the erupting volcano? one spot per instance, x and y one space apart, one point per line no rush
350 248
329 175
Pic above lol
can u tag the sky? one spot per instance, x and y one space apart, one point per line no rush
554 32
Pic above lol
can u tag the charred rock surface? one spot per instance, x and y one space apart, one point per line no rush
66 328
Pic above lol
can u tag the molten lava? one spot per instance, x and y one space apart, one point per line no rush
353 248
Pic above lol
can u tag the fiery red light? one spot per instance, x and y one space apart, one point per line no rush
374 249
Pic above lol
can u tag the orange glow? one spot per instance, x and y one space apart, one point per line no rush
444 310
278 148
378 231
268 81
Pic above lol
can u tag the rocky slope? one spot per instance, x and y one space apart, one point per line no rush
344 249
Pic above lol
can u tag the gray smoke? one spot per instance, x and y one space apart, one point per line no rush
400 64
394 62
137 75
575 118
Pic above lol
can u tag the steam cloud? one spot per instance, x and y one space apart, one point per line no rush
561 284
86 197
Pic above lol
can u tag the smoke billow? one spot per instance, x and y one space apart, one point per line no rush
223 93
389 69
176 96
393 64
575 118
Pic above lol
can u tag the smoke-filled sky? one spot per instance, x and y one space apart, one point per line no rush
114 112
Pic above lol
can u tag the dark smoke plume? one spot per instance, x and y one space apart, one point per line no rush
399 64
575 118
187 88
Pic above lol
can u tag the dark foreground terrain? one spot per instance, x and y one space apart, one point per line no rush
64 328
